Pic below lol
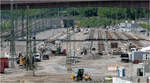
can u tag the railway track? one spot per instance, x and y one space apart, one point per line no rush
137 43
116 34
108 35
91 36
139 37
101 47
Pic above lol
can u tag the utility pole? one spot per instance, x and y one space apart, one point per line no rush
30 42
12 38
68 61
148 34
43 27
34 43
34 37
29 59
40 19
16 18
22 22
27 41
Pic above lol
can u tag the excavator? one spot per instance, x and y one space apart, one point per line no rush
79 75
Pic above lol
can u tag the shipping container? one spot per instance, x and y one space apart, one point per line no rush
5 61
124 57
114 45
2 68
67 23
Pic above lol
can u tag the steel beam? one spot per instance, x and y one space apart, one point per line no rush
5 4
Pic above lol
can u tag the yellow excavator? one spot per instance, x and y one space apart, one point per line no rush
22 60
79 75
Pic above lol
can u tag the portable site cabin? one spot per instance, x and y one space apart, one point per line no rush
141 69
147 69
139 55
125 57
129 80
147 49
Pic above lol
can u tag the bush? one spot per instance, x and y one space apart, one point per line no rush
96 22
146 26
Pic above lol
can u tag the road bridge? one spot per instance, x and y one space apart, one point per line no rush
65 40
5 4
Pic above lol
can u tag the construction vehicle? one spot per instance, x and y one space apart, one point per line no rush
84 51
79 75
58 51
22 61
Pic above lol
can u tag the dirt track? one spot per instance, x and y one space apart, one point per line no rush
48 71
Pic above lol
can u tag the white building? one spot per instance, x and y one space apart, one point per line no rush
121 80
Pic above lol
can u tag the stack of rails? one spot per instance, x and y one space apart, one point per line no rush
101 47
108 35
91 36
137 43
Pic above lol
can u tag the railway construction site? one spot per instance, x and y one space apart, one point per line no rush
74 41
96 50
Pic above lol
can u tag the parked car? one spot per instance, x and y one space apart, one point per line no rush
143 31
45 57
37 57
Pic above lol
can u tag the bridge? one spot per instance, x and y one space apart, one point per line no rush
5 4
